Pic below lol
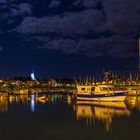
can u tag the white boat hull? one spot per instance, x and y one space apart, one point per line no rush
120 96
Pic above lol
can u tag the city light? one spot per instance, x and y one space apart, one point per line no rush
33 76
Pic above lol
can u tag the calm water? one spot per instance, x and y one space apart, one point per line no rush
61 117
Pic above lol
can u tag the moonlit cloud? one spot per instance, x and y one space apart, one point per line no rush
70 23
122 16
65 45
3 1
54 3
98 28
111 46
10 11
86 3
22 9
25 8
1 48
90 3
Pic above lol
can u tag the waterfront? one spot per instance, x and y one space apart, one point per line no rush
61 117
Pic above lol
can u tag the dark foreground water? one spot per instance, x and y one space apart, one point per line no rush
60 117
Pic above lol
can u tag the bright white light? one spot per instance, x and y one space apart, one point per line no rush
33 76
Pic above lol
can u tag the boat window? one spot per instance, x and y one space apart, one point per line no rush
103 89
88 89
93 89
82 88
120 88
111 88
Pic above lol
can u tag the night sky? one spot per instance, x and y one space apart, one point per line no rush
68 38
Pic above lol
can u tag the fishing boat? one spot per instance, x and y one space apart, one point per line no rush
100 93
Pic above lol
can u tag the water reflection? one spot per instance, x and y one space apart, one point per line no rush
53 117
49 98
91 111
18 99
133 102
137 103
3 105
32 103
102 111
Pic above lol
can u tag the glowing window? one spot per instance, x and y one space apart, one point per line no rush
93 89
82 88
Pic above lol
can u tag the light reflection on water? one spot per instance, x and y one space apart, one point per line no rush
33 100
131 102
3 105
103 111
86 113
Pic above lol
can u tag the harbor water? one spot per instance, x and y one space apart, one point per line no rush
61 117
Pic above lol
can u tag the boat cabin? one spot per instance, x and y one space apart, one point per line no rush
95 89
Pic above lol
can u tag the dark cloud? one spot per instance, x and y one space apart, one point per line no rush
92 27
82 22
13 10
1 48
87 3
54 3
65 45
111 46
115 46
122 16
3 1
21 9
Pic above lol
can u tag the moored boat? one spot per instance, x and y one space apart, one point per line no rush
100 93
133 90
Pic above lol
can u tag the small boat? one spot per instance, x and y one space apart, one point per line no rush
100 93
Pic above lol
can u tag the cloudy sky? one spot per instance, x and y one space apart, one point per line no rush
67 38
